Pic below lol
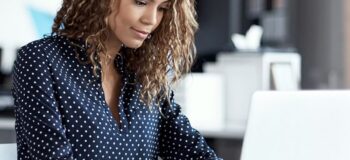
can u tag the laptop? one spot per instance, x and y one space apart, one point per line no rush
298 125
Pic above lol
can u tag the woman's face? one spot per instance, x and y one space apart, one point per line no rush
134 20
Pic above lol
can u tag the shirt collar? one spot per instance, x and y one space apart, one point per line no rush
119 63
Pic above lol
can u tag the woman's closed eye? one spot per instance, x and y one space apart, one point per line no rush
144 3
165 6
140 3
163 9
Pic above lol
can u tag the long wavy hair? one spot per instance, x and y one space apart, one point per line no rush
159 63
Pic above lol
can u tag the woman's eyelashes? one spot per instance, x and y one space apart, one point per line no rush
140 3
162 8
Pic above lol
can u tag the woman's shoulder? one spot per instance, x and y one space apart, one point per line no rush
47 43
48 47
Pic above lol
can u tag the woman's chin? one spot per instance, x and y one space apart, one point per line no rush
134 45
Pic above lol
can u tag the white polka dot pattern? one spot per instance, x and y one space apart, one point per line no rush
61 112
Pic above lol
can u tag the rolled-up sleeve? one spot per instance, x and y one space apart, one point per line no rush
178 139
39 129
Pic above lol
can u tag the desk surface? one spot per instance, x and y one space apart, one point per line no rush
7 122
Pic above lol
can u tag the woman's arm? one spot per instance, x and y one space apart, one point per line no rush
178 139
40 134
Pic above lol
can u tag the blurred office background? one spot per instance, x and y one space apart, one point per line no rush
318 31
22 21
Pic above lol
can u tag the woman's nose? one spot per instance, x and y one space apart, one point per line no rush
150 16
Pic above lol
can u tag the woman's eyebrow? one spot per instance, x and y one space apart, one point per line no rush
166 1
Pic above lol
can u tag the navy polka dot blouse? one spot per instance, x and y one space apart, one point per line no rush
61 112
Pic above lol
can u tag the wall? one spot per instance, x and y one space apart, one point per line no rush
319 38
346 29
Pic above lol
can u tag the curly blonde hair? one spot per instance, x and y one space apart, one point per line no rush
170 50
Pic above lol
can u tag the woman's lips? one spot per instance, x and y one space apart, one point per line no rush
140 34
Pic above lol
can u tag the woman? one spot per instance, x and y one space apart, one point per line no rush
98 87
